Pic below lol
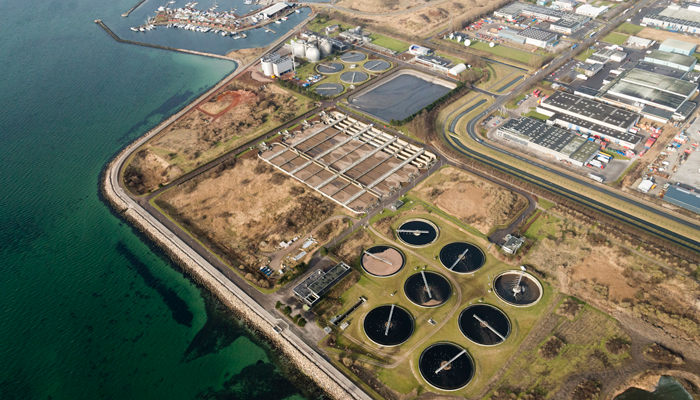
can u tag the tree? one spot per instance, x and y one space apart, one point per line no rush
278 304
287 310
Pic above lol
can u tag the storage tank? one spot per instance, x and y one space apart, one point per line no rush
467 42
326 47
492 44
267 66
299 48
312 53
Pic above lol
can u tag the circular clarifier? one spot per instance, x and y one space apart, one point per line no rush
329 68
417 232
353 77
399 322
517 288
329 89
484 324
462 257
437 292
353 57
377 65
382 261
446 366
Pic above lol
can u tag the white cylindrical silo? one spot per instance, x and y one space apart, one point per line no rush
267 67
312 54
326 47
299 48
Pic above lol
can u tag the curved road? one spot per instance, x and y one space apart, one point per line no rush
637 222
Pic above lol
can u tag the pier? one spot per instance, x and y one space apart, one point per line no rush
156 46
126 14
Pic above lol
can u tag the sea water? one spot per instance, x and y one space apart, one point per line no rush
667 389
89 308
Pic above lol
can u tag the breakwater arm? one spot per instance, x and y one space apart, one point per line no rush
126 14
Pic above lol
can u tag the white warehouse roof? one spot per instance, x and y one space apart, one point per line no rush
275 8
457 69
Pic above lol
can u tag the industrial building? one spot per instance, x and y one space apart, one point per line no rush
272 10
537 37
273 64
419 50
676 18
511 35
603 56
438 63
591 11
678 47
654 95
564 5
319 282
561 21
592 118
672 60
550 140
457 69
590 69
639 42
355 35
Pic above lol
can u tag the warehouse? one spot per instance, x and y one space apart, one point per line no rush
564 5
550 140
273 9
595 112
591 11
438 63
590 69
639 42
672 60
638 88
603 56
419 50
678 47
625 139
675 18
537 37
511 35
562 21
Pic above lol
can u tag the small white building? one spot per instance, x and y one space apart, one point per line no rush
457 69
419 50
591 11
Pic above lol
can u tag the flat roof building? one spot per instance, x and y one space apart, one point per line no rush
561 21
603 56
537 37
596 112
677 46
319 282
548 139
673 60
439 63
511 35
591 11
675 18
419 50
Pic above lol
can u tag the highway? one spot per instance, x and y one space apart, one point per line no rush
469 151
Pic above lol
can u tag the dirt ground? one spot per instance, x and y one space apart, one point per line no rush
473 200
422 22
246 55
247 208
238 113
660 35
614 278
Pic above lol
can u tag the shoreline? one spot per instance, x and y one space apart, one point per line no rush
649 380
309 362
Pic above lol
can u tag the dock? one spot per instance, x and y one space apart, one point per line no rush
126 14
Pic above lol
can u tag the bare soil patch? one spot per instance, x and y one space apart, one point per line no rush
351 248
586 390
245 208
660 35
569 308
617 346
659 353
235 115
246 55
477 202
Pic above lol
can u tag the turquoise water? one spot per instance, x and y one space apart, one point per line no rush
89 310
667 389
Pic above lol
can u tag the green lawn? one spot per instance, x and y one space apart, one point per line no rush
582 56
319 25
513 104
629 29
615 38
522 57
390 43
536 115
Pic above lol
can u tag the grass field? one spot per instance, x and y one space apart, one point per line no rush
534 114
582 56
615 38
629 29
522 57
390 43
319 25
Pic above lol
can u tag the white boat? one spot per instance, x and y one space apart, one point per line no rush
278 22
223 33
297 11
134 29
284 18
248 2
142 29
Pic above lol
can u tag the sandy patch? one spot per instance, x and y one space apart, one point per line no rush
599 267
660 35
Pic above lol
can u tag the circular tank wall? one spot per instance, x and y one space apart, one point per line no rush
484 324
462 257
446 366
437 292
417 232
382 261
517 288
399 322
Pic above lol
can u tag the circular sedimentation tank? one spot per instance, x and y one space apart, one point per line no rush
377 65
329 89
417 233
437 292
329 68
446 366
353 77
484 324
517 288
462 257
399 322
353 57
382 261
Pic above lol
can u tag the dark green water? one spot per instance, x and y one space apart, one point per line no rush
667 389
88 309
